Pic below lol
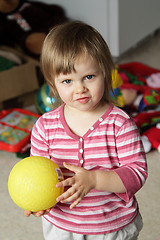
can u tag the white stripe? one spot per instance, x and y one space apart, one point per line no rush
36 136
40 132
98 155
133 140
130 153
95 194
51 116
39 147
99 203
94 213
101 165
102 133
85 220
65 156
58 146
55 126
119 112
58 136
140 174
127 129
94 145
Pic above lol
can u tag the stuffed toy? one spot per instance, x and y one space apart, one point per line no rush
149 126
26 23
151 138
141 85
140 90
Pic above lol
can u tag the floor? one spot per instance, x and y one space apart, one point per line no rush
15 226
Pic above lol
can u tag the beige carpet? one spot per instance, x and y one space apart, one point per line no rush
14 226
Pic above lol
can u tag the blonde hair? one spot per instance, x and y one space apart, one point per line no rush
68 42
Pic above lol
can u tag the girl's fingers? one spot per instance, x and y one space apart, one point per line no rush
72 168
66 194
27 213
71 197
75 203
37 214
67 182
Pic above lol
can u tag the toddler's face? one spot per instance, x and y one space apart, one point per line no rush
83 88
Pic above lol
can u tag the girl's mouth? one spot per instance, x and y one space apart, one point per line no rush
83 100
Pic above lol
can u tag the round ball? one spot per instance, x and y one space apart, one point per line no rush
43 101
32 183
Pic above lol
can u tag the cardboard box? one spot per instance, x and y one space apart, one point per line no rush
19 80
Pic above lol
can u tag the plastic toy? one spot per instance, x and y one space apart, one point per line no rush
43 101
116 83
32 183
15 129
150 99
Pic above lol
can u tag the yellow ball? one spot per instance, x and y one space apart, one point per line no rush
32 183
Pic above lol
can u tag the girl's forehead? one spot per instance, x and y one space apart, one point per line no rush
80 62
83 58
85 63
82 67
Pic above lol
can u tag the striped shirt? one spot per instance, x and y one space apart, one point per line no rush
112 143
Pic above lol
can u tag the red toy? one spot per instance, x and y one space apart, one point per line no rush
145 81
151 138
15 129
149 126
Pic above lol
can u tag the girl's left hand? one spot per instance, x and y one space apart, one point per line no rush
81 183
37 214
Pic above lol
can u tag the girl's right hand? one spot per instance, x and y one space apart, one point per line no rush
37 214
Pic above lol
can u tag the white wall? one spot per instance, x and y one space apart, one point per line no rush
122 23
137 19
91 11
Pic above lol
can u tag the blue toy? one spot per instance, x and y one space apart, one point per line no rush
43 101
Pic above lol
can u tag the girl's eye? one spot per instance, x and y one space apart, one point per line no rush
88 77
67 81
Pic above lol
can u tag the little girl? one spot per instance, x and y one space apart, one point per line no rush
96 144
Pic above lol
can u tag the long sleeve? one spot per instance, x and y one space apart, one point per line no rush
132 160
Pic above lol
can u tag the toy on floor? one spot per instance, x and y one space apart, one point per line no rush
15 129
140 80
150 99
43 101
141 90
151 138
32 183
149 126
27 23
116 83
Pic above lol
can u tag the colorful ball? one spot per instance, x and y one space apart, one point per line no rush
43 101
32 183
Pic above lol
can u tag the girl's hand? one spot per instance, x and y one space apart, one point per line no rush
81 183
37 214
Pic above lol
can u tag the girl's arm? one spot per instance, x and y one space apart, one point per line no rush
108 181
83 181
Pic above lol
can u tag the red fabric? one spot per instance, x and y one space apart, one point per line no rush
141 71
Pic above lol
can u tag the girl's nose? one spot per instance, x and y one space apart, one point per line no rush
80 87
